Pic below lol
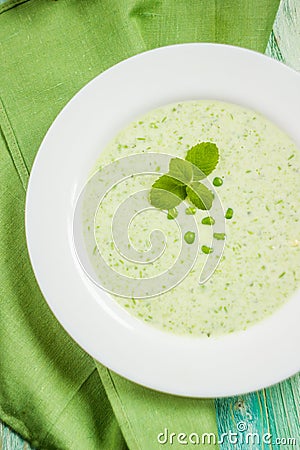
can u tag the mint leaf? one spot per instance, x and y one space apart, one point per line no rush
166 192
183 179
181 170
205 157
200 195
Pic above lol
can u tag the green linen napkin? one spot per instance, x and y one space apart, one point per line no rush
51 391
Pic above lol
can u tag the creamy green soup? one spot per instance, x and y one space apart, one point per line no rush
260 169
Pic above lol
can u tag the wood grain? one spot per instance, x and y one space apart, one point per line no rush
287 32
10 440
275 410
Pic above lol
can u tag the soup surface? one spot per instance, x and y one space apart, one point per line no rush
260 266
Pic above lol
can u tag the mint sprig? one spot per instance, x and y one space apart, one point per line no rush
182 180
167 192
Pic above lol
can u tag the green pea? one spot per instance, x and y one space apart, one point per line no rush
189 237
172 214
229 213
217 181
208 220
219 236
206 249
190 211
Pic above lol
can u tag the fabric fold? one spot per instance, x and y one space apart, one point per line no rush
42 371
151 418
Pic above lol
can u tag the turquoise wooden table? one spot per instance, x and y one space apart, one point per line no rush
271 417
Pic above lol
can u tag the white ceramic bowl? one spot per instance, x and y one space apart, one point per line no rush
241 362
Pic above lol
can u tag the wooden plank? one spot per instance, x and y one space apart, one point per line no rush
287 32
266 416
10 440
